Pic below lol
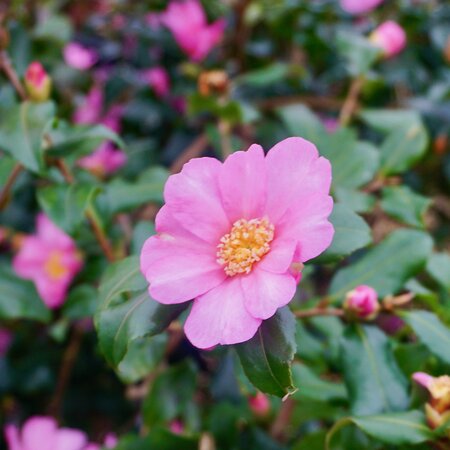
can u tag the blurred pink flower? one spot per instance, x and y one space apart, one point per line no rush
362 302
158 80
90 111
359 6
187 21
5 340
423 379
37 82
259 404
230 233
331 124
104 161
79 57
153 20
389 37
39 433
176 427
113 118
50 259
109 442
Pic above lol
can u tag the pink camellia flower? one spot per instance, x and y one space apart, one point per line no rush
259 404
232 235
37 82
158 80
50 259
90 111
39 433
5 340
79 57
359 6
362 302
187 22
389 37
104 161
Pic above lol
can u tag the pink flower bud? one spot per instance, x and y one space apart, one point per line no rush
37 82
259 404
79 57
423 379
359 6
104 161
176 427
362 303
158 80
390 38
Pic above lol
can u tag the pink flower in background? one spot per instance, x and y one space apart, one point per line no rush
113 118
50 259
42 433
153 20
362 302
331 124
109 442
37 82
259 404
5 340
232 236
90 111
359 6
104 161
187 22
176 427
79 57
158 79
390 38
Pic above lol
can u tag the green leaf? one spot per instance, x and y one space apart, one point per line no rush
157 439
350 233
122 195
265 76
403 428
81 302
267 357
431 332
22 130
313 387
438 266
387 266
55 28
405 205
374 381
142 231
66 204
19 299
387 120
357 201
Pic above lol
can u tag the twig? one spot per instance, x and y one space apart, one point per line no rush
65 171
197 147
319 312
67 364
4 193
327 103
281 422
351 102
6 66
225 138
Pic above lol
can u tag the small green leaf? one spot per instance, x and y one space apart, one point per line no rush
81 302
374 381
387 120
386 266
438 266
359 52
405 205
267 357
266 76
431 332
357 201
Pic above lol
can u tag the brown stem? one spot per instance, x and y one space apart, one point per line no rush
65 171
281 422
319 312
225 139
4 193
351 102
327 103
194 150
6 66
67 364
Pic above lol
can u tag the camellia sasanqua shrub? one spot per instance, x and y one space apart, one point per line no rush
224 225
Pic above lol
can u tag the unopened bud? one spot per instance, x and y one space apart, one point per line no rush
362 303
389 37
259 404
213 82
37 82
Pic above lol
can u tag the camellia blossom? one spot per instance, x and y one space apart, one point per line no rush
233 237
37 82
158 80
104 161
79 57
389 37
362 302
359 6
188 24
50 259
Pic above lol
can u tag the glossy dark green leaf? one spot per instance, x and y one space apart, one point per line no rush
66 204
438 266
434 334
22 132
81 302
19 299
375 383
387 120
267 357
386 266
405 205
357 201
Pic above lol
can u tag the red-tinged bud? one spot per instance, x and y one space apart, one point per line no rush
37 82
362 303
259 404
390 38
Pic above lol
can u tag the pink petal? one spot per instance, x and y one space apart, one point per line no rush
12 438
179 269
68 439
294 171
220 317
31 257
39 433
52 292
265 292
307 223
50 233
280 256
193 198
242 182
423 379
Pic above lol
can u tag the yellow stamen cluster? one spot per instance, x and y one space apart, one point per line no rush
246 243
54 266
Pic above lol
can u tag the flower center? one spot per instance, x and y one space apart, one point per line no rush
246 243
54 266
